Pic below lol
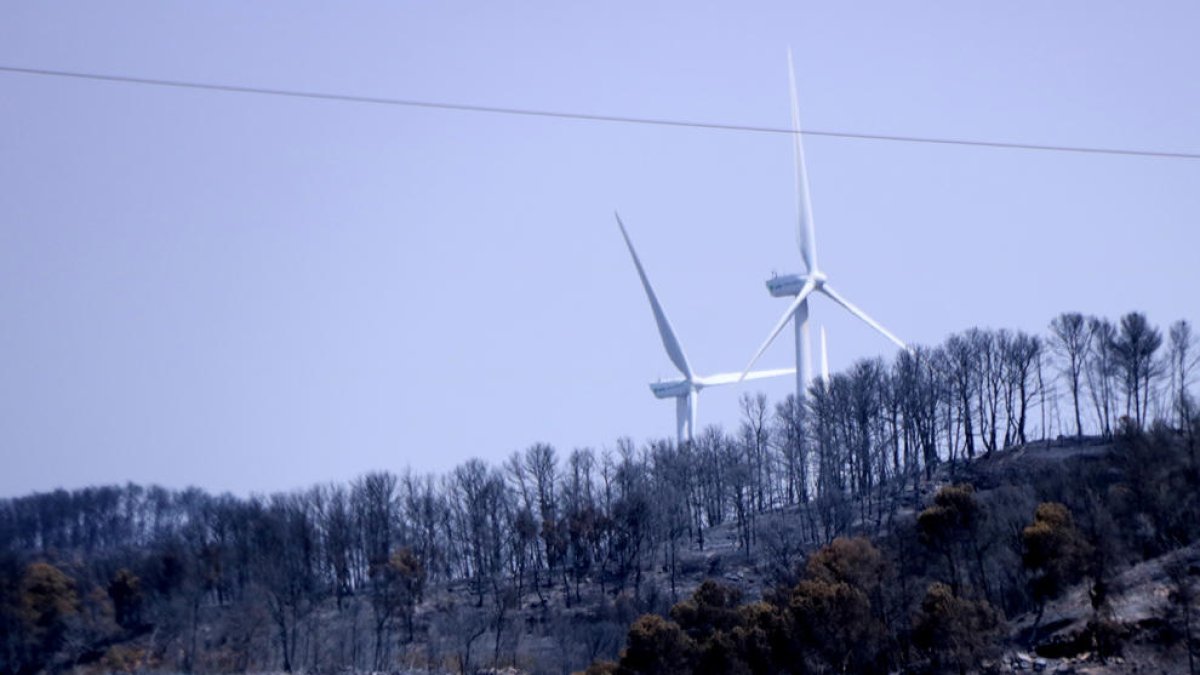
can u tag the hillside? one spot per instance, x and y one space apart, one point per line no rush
912 564
1118 612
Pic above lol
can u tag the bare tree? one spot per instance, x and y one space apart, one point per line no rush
1134 348
541 466
755 434
285 568
426 512
632 517
337 525
670 477
479 507
739 479
713 475
395 588
988 385
916 378
1183 360
581 515
1101 371
1020 359
963 358
828 410
1072 342
791 439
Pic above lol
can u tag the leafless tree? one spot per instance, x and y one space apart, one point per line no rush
670 477
793 449
1183 361
755 435
1071 341
963 358
1101 372
1020 362
1134 348
988 385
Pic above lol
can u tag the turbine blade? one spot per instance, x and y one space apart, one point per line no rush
836 297
731 378
805 234
767 374
670 342
787 316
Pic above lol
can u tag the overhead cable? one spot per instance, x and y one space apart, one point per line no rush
591 117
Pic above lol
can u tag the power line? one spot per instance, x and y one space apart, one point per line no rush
412 103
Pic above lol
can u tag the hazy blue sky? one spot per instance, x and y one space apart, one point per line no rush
254 293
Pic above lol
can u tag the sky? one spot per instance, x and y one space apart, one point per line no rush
252 293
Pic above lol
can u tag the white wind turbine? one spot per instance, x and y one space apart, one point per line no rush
813 280
686 391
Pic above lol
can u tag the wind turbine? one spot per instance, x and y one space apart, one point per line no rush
685 391
813 280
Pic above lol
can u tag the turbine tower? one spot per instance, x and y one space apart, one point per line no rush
685 391
824 358
813 280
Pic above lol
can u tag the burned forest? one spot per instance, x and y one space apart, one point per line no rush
999 499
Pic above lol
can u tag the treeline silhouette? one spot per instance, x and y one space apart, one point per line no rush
544 560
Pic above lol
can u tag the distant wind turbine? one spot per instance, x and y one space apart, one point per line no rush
686 391
813 280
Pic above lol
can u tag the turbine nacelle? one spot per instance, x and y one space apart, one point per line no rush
672 388
790 285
